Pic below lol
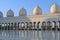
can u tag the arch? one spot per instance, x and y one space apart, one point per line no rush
30 25
11 26
8 27
43 25
22 25
54 24
8 24
49 25
26 25
2 26
38 25
15 25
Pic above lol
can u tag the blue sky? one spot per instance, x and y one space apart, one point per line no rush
29 5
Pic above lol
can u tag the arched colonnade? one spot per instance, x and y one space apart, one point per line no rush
30 25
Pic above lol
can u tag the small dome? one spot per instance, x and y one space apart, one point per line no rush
1 14
10 13
22 12
37 10
55 9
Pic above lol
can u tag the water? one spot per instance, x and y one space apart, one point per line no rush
29 35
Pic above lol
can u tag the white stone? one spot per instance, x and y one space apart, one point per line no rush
37 10
10 13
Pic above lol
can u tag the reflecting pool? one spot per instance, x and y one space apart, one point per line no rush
29 35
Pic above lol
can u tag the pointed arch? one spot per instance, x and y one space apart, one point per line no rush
12 26
54 24
38 25
18 25
43 25
22 25
49 25
15 25
30 25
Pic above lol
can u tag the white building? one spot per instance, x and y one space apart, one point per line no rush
37 21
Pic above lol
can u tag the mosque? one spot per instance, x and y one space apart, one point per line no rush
35 21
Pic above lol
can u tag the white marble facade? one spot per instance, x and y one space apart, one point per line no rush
37 20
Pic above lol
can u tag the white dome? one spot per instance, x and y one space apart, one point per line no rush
10 13
55 9
37 10
1 14
22 12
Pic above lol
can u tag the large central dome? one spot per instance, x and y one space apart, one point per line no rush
22 12
10 13
37 10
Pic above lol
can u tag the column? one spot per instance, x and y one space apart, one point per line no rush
18 25
59 24
45 25
0 26
4 26
13 26
34 24
22 25
40 25
25 25
10 27
52 25
30 25
7 27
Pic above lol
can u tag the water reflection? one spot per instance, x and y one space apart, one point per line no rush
29 35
